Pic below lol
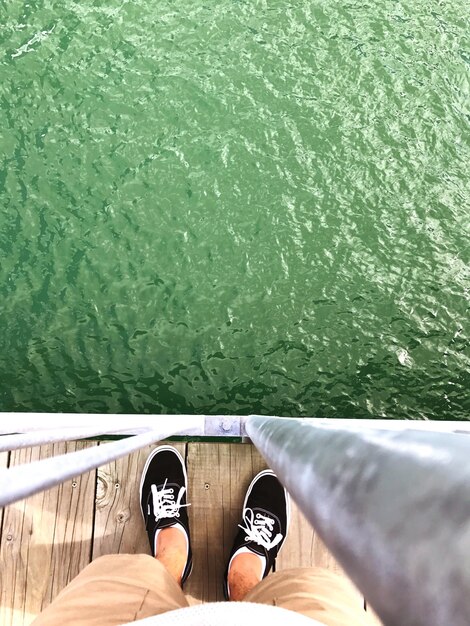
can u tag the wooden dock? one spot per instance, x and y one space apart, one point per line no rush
47 539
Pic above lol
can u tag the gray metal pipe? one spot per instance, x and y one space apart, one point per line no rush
24 480
11 423
393 507
46 436
208 425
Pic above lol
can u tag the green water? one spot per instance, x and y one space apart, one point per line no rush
235 207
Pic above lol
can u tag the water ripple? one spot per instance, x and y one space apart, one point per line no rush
239 208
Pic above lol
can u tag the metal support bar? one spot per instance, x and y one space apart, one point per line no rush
207 425
393 507
130 424
42 437
24 480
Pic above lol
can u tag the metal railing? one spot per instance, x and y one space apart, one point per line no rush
390 499
25 480
392 506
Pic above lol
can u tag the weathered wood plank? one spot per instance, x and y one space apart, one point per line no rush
304 548
218 475
119 528
4 461
46 540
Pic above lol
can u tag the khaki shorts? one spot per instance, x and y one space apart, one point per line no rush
122 588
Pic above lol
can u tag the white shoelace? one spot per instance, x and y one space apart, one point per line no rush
164 503
259 528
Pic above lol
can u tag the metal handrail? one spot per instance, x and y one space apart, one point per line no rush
24 480
205 425
393 507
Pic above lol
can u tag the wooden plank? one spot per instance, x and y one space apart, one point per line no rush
46 540
4 461
119 527
304 548
218 475
41 553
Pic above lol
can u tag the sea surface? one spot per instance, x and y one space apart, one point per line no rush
235 207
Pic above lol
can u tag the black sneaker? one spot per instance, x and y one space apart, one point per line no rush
163 497
265 521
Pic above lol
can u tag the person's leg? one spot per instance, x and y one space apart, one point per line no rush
123 588
114 590
314 592
265 521
163 503
244 574
171 551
